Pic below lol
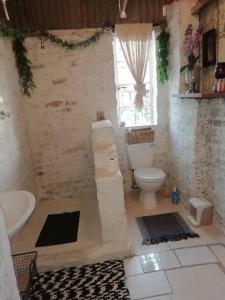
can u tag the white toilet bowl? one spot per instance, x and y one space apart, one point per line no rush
149 181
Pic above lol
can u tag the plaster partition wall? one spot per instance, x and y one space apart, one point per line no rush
71 88
16 171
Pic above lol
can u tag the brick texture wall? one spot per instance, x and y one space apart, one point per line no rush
196 130
71 88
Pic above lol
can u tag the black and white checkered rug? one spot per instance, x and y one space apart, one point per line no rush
101 281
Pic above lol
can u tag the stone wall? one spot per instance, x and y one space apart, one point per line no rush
182 113
71 88
196 129
215 163
15 162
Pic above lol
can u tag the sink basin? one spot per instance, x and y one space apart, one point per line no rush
17 207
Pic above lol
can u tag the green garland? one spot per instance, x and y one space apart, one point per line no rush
23 65
162 55
18 36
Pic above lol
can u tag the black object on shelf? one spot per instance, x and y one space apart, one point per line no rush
25 270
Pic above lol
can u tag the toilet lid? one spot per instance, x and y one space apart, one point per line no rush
149 174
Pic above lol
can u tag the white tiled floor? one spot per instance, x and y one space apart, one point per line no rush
133 266
156 272
164 297
148 285
205 282
188 265
159 261
219 251
195 256
208 234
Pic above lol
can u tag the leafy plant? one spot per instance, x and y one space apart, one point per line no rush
18 36
162 56
192 60
23 65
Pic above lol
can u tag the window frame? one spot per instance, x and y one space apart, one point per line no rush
152 89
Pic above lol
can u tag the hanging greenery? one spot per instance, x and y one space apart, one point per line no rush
23 65
18 36
162 55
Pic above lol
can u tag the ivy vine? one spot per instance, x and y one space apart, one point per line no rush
162 55
18 36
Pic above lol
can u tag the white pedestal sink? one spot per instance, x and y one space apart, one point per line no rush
17 207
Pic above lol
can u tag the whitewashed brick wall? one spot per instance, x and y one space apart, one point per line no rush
215 154
71 88
196 130
182 113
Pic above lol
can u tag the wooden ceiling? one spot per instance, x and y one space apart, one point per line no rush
72 14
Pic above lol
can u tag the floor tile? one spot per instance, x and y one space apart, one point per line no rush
148 285
159 261
133 266
143 249
219 251
195 256
164 297
197 283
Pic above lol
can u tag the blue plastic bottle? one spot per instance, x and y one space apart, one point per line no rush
175 196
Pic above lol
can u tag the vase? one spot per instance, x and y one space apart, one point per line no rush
192 79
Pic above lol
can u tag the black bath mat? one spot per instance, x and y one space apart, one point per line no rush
59 229
101 281
164 228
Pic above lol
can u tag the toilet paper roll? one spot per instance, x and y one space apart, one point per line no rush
113 165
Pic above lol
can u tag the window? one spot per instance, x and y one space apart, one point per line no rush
128 116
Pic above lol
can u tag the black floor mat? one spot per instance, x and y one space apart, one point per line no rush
59 229
163 228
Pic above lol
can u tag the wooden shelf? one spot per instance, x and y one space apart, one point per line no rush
201 96
199 6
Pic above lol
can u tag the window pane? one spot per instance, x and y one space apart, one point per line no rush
124 98
127 115
124 74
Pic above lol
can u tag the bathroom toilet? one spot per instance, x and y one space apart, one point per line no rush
148 179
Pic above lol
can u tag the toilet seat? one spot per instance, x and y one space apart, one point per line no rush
149 174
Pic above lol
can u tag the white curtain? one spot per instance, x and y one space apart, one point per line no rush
135 41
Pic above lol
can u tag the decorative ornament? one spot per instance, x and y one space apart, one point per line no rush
18 36
163 24
5 9
108 26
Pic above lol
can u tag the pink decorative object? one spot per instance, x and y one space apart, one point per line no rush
192 44
191 47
